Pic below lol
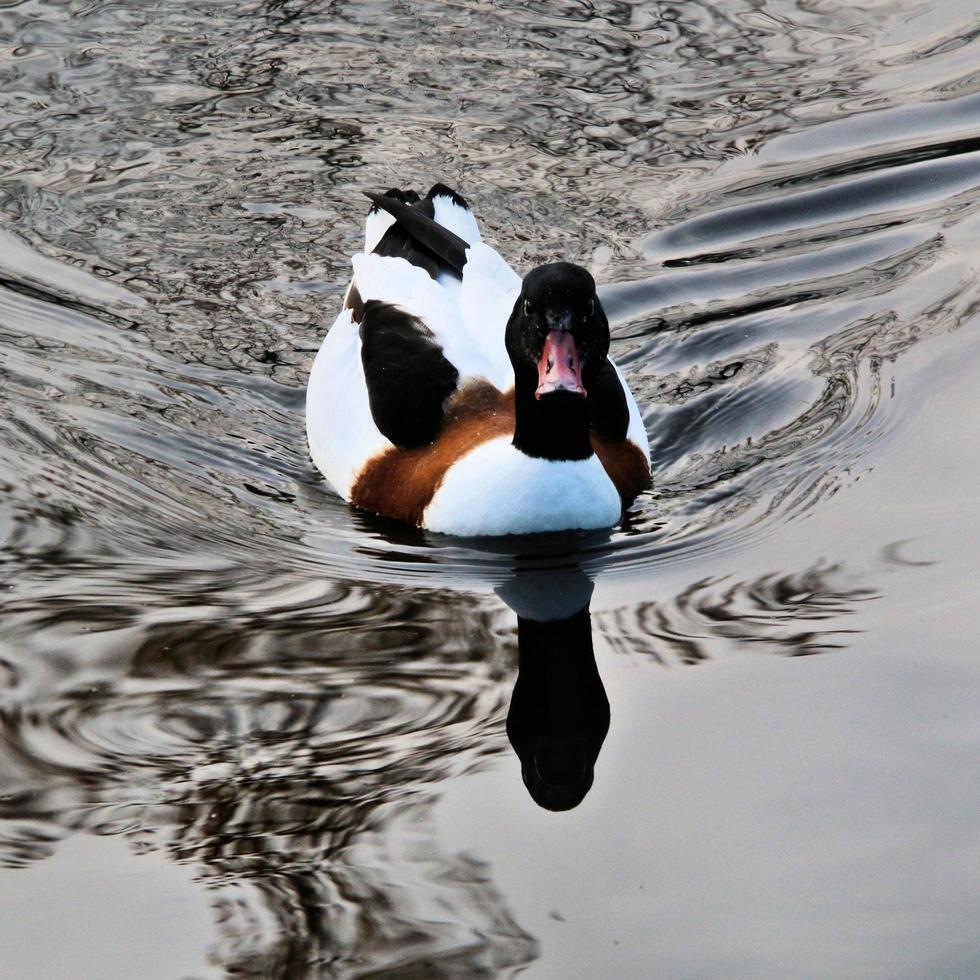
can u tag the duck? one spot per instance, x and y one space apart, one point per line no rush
452 394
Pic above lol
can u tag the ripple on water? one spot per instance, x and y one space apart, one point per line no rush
266 754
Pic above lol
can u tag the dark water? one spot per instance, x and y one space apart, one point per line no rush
245 731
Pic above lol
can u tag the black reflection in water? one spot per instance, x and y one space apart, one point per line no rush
291 753
559 712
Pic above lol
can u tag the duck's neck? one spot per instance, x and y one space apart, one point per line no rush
557 427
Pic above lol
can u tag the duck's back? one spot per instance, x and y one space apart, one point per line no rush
410 337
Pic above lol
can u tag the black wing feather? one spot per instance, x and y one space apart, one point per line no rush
429 234
408 376
400 243
610 410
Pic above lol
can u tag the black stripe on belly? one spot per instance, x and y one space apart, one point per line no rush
408 376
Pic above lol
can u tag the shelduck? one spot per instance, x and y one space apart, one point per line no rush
454 395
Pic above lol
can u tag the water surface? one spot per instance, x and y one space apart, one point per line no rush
261 735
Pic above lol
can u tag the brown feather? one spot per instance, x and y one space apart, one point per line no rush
625 464
401 483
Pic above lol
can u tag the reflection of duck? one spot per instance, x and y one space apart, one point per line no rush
559 713
451 394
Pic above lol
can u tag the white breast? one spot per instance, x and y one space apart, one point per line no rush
496 489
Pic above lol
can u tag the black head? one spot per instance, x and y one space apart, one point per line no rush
558 334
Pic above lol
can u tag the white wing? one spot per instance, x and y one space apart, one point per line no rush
339 426
490 289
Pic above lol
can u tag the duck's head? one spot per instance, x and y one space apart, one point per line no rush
558 334
557 338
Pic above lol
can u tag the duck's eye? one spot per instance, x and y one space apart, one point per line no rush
528 308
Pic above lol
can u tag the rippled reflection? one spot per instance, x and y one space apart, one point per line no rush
292 762
292 758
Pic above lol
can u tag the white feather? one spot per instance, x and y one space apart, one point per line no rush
397 281
458 220
339 425
497 489
636 431
451 283
377 223
489 290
